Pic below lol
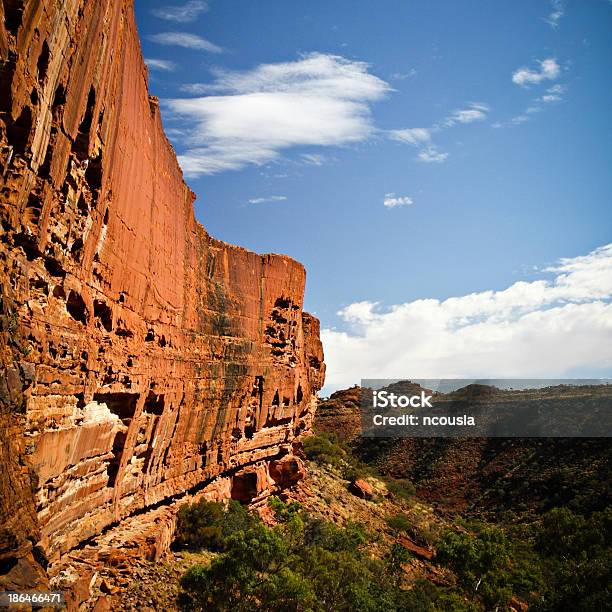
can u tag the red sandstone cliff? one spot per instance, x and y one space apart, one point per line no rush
141 359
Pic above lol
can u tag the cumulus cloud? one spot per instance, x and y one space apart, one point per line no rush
265 200
183 39
160 64
549 70
251 117
183 13
549 327
432 155
392 201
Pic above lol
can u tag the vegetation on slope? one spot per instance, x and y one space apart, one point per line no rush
300 564
303 563
556 560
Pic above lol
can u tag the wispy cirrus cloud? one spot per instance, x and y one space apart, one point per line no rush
183 13
251 117
267 199
548 327
548 69
196 89
160 64
475 111
557 10
314 159
185 40
412 136
392 201
422 138
519 119
431 155
401 76
553 94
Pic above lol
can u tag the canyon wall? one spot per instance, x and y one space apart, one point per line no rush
141 359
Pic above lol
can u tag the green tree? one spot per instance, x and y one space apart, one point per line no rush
302 564
577 560
484 563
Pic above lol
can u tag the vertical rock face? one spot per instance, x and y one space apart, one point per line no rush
140 357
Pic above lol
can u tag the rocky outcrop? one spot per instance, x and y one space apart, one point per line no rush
142 360
361 488
339 414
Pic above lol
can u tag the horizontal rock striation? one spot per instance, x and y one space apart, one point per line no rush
141 359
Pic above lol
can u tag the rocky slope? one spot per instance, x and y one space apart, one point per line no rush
484 477
141 359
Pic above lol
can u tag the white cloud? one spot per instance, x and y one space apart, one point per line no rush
557 89
543 328
432 155
413 136
175 133
315 74
160 64
250 117
476 111
184 13
422 137
556 13
393 201
314 159
549 70
400 76
265 200
553 94
360 312
519 119
197 89
183 39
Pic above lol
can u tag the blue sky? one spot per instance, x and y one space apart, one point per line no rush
406 153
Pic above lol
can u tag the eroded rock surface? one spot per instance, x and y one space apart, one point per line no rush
141 359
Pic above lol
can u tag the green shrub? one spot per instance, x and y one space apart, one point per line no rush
324 448
284 512
198 526
400 488
399 522
205 524
353 469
